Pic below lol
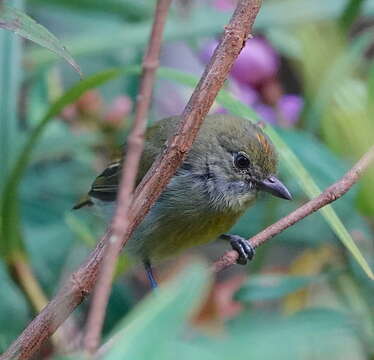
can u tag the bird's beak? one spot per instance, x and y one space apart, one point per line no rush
275 187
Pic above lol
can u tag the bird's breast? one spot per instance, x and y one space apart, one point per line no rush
175 232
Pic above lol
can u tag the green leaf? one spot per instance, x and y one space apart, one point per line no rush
351 11
271 287
10 81
148 332
18 22
371 91
267 335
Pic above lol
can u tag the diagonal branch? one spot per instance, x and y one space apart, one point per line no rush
332 193
135 147
81 282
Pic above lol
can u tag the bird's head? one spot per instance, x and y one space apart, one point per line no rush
236 160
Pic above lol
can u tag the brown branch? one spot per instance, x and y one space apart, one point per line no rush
134 150
82 281
331 194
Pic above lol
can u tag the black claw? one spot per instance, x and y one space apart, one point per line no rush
242 246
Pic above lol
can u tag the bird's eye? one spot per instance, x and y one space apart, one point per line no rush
241 161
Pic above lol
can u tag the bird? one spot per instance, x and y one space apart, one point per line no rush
229 163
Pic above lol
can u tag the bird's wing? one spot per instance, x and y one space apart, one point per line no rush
106 184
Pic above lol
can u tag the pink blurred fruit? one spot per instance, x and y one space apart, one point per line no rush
90 103
118 110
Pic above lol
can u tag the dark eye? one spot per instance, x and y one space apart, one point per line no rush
241 161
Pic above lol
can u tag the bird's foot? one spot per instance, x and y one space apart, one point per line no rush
242 246
150 276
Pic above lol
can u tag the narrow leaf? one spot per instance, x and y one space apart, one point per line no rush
371 91
21 24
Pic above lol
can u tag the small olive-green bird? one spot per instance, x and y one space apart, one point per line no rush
230 161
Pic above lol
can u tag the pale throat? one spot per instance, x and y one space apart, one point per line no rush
235 196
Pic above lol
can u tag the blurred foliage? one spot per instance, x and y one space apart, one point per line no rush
307 297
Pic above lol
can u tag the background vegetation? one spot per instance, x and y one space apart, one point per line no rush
304 295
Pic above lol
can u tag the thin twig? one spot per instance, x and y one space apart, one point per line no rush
82 281
329 195
134 149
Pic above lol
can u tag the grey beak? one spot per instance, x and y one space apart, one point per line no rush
275 187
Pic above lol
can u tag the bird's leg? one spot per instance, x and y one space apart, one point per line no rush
242 246
149 272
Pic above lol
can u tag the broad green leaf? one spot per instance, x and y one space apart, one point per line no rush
271 287
149 331
18 22
265 334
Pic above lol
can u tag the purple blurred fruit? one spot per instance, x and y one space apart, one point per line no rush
256 63
208 50
244 92
266 113
224 5
289 108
